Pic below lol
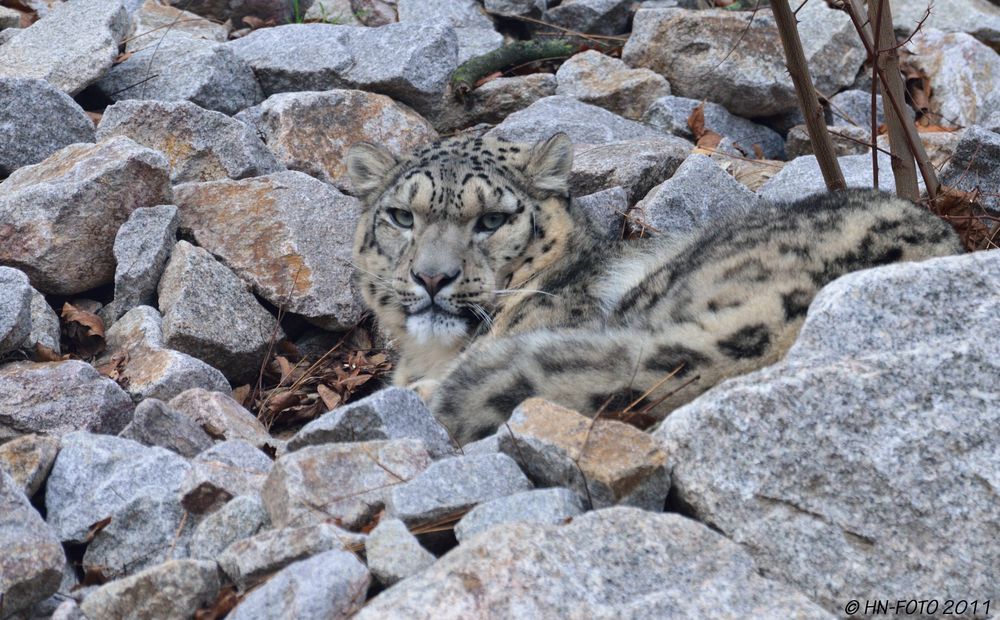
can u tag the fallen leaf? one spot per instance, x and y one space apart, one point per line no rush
45 354
330 398
696 121
84 330
223 604
241 394
96 528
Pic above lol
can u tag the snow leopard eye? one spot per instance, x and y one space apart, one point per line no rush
491 221
401 218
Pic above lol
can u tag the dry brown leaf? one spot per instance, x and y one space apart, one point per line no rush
330 398
224 603
122 58
758 152
92 576
45 354
241 394
709 140
489 78
696 121
96 528
957 207
84 330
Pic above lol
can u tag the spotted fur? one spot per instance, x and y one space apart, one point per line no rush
544 306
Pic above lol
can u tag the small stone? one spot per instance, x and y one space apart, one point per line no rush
221 416
330 586
604 462
374 13
856 106
635 165
152 18
174 589
209 314
496 100
555 506
28 459
486 445
458 13
31 558
453 485
975 17
962 71
394 554
312 131
609 83
147 367
156 424
222 472
202 145
273 11
532 8
71 47
670 114
606 209
584 123
692 49
614 563
698 195
287 234
97 476
392 413
15 309
976 164
60 216
591 16
939 145
474 42
38 120
240 518
854 143
752 173
337 12
348 483
248 561
55 398
801 177
45 328
184 68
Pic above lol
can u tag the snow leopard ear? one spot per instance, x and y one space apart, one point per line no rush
549 164
368 166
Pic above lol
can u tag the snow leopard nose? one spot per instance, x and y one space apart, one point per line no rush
434 283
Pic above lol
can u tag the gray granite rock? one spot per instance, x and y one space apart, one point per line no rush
337 12
221 416
148 367
393 553
554 506
202 145
635 165
453 485
392 413
584 123
857 463
97 476
474 42
531 8
409 62
275 11
458 13
979 18
801 177
222 472
59 397
180 67
609 83
209 314
613 563
60 215
142 247
151 18
347 483
496 100
312 131
287 234
699 194
847 140
963 73
976 164
28 460
38 120
251 559
329 586
175 589
9 19
606 209
670 114
71 48
688 48
591 16
156 424
240 518
15 309
856 106
45 329
31 558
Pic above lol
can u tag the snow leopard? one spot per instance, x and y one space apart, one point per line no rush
496 288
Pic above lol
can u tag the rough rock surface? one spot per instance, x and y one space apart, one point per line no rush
847 140
609 83
312 131
635 165
142 247
605 209
59 397
452 485
28 460
865 457
393 553
329 586
584 123
604 461
221 416
979 18
670 114
496 100
174 589
15 309
60 216
275 11
185 68
801 177
392 413
963 72
240 518
613 563
202 145
976 164
151 18
38 120
31 558
222 472
45 329
346 482
209 314
71 48
156 424
287 234
856 105
554 506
